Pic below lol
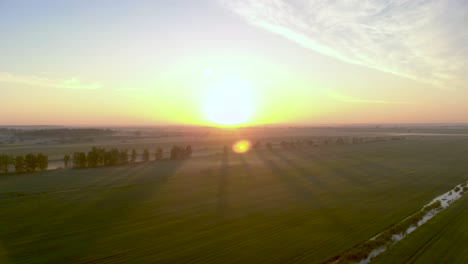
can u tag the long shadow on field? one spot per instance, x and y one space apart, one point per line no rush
300 190
222 193
73 214
352 167
355 172
113 207
247 170
288 180
356 167
344 170
304 173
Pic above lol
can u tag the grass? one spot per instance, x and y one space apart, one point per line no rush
363 250
300 205
441 240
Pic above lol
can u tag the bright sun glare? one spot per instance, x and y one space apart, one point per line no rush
241 146
229 103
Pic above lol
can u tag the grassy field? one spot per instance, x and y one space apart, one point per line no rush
304 205
444 239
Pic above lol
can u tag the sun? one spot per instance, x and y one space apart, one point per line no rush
229 103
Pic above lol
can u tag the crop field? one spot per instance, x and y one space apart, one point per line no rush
302 205
442 240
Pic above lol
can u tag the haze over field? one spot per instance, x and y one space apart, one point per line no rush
233 131
233 62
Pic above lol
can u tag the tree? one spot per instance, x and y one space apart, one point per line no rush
269 146
66 160
93 158
30 162
19 164
284 144
340 141
133 156
188 152
5 162
145 155
123 156
76 160
2 162
42 162
82 160
101 152
158 155
174 151
113 157
79 160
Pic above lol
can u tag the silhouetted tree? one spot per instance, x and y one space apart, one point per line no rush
123 155
145 155
158 155
19 164
188 152
42 162
30 162
76 160
83 160
284 144
5 162
79 160
133 156
101 153
66 160
111 157
174 153
179 153
93 157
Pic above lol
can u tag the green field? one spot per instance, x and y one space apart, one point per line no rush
303 205
444 239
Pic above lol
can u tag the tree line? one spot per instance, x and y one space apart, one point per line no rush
180 153
98 157
27 163
293 144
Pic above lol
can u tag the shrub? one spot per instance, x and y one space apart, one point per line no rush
432 206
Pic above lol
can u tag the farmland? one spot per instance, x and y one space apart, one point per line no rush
302 205
442 240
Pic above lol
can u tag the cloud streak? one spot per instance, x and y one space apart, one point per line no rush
424 40
72 83
350 99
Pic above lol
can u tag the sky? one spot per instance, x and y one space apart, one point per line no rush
249 62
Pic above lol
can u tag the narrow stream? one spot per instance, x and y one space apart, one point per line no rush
445 200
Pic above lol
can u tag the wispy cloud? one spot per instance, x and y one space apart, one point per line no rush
350 99
425 40
72 83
